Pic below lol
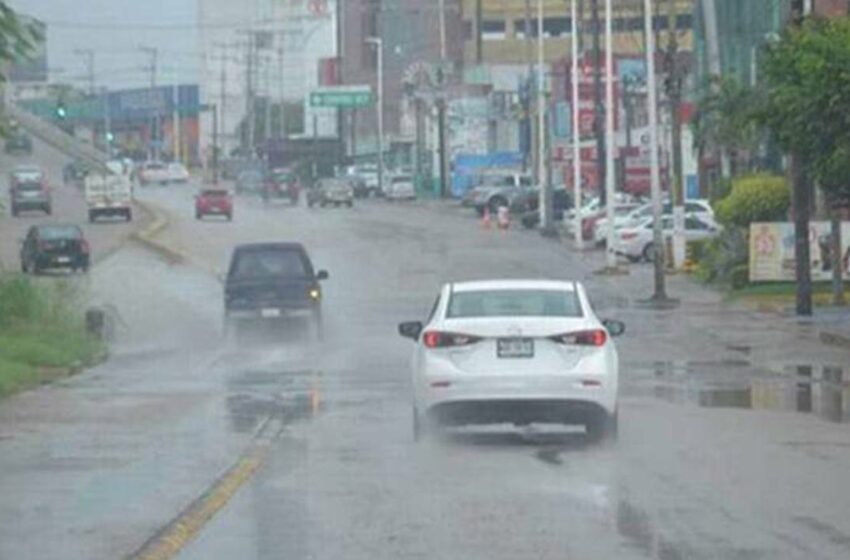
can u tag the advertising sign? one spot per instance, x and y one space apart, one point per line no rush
772 251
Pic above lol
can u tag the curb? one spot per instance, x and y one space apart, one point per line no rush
147 237
835 339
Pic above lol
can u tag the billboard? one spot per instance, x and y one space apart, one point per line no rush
33 67
772 251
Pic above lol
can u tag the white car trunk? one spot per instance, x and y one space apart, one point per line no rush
548 357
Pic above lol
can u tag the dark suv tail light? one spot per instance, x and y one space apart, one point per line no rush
437 339
595 337
84 247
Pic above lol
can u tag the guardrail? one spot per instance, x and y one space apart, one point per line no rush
57 137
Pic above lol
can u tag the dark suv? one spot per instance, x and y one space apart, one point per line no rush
55 246
28 190
272 281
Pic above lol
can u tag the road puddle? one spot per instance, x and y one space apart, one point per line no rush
821 390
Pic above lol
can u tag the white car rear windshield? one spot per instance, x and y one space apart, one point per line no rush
514 303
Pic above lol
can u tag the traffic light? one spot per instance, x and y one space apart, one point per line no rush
110 137
61 110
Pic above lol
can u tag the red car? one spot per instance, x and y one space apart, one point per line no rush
214 202
282 183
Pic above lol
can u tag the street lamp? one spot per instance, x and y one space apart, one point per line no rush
379 46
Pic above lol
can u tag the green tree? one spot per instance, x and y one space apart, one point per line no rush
807 102
16 42
725 119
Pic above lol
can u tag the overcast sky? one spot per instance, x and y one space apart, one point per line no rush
115 29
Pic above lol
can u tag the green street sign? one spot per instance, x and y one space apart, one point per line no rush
344 97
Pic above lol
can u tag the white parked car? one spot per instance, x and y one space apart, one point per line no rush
600 226
177 173
154 172
514 352
695 207
399 187
636 242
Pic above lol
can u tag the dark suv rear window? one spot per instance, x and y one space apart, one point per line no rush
264 263
29 186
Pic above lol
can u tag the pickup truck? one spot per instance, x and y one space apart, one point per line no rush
109 195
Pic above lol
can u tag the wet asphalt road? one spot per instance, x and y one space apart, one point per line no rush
734 441
68 207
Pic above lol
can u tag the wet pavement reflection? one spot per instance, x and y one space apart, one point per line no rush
820 390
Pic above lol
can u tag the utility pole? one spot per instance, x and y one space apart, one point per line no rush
529 60
610 110
599 109
249 94
542 176
660 296
175 119
88 54
479 40
215 143
282 95
222 100
576 30
153 52
674 96
441 105
379 46
802 201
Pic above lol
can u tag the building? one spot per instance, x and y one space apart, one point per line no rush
409 30
262 58
129 116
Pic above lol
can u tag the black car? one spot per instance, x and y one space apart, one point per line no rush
18 143
272 281
562 201
55 246
75 172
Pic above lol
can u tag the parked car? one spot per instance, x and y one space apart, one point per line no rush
399 187
28 190
250 181
358 185
75 172
516 352
154 173
368 172
496 189
637 242
694 207
336 192
18 143
272 282
54 246
177 173
214 202
282 183
562 201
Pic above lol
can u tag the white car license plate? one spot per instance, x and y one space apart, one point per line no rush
515 348
63 260
270 312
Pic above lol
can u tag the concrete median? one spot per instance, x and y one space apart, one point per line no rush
148 235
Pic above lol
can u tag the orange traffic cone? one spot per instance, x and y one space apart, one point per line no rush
485 218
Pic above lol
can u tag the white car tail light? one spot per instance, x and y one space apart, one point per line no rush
595 337
437 339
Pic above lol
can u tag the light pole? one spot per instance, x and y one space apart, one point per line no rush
609 137
576 127
659 297
542 176
379 46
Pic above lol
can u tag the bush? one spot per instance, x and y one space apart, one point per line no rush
719 189
724 258
757 198
20 300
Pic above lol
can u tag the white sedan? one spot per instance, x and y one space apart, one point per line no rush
637 242
514 352
400 187
177 173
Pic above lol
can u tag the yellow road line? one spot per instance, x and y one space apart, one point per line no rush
171 540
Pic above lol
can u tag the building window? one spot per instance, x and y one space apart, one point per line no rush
493 30
552 27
